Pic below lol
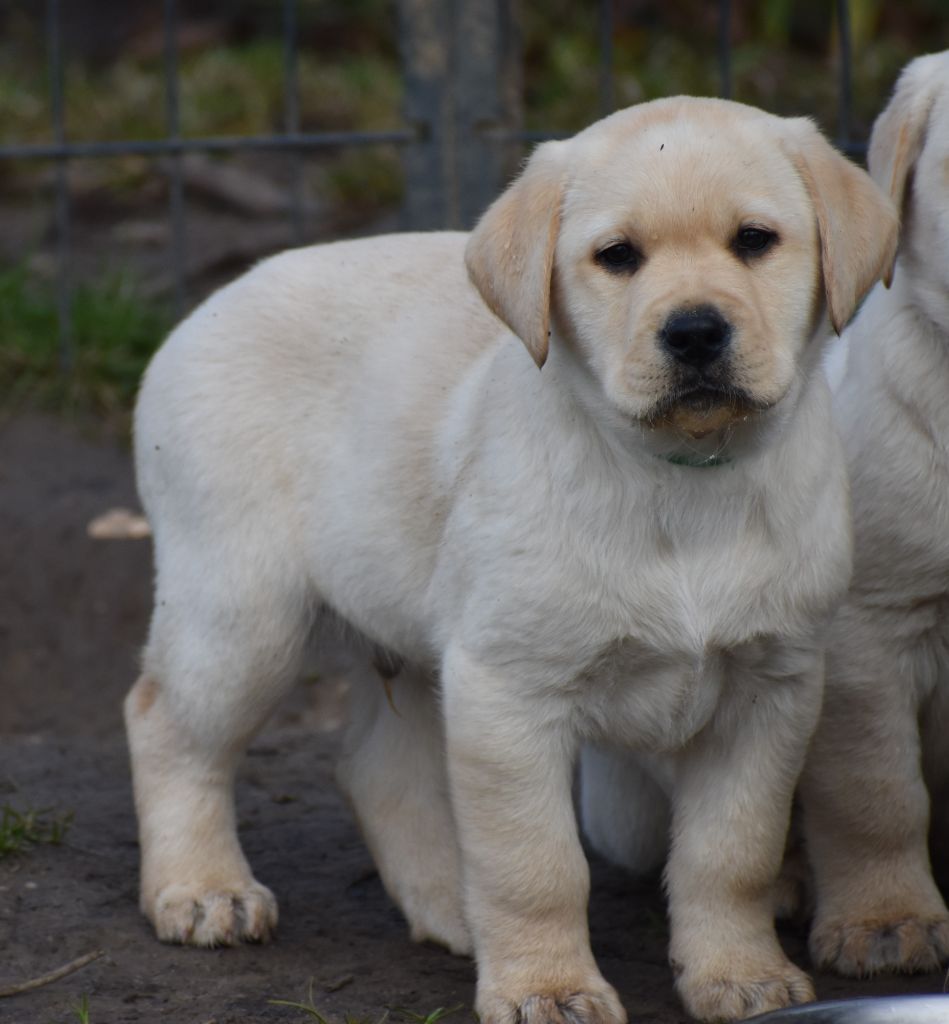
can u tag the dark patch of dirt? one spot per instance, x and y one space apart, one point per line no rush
73 612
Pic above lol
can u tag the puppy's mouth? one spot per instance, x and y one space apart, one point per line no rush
702 409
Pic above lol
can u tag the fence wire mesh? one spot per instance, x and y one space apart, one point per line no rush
453 145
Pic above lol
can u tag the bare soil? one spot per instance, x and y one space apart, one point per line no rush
73 613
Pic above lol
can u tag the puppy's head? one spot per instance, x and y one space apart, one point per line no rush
909 159
685 249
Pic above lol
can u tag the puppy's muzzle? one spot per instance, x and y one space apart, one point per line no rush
703 396
696 337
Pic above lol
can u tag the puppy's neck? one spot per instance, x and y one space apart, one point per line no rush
723 447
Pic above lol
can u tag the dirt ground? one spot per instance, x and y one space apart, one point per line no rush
73 612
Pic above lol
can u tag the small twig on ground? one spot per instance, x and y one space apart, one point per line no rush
51 976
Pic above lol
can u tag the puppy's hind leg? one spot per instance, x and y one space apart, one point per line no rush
222 650
393 771
626 813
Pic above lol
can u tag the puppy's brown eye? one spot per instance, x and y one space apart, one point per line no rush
620 256
754 241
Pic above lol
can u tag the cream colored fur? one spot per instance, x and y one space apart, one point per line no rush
881 751
349 431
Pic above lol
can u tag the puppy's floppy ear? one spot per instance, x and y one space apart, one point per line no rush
900 131
857 223
510 255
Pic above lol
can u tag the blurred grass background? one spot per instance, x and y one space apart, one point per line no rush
232 83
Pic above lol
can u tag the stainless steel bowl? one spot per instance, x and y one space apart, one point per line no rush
878 1010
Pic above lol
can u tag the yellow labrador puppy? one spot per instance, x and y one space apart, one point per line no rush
636 544
883 736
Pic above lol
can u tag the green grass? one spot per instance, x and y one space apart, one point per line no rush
20 830
312 1012
430 1018
114 332
81 1010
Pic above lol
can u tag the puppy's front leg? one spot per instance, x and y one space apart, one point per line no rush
731 809
866 809
510 759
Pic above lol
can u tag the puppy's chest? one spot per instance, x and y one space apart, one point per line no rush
688 600
696 633
651 700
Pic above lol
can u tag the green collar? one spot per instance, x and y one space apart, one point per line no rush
696 461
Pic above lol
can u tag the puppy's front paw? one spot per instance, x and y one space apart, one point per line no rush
195 916
593 1007
711 998
862 948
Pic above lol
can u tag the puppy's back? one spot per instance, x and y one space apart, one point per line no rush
311 337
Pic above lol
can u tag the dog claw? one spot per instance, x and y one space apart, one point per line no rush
860 949
729 999
223 917
570 1008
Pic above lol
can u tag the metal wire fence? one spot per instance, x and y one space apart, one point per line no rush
456 57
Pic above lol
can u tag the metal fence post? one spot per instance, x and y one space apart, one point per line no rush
488 94
461 63
62 208
176 187
845 76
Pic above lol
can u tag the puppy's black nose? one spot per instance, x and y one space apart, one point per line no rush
696 336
